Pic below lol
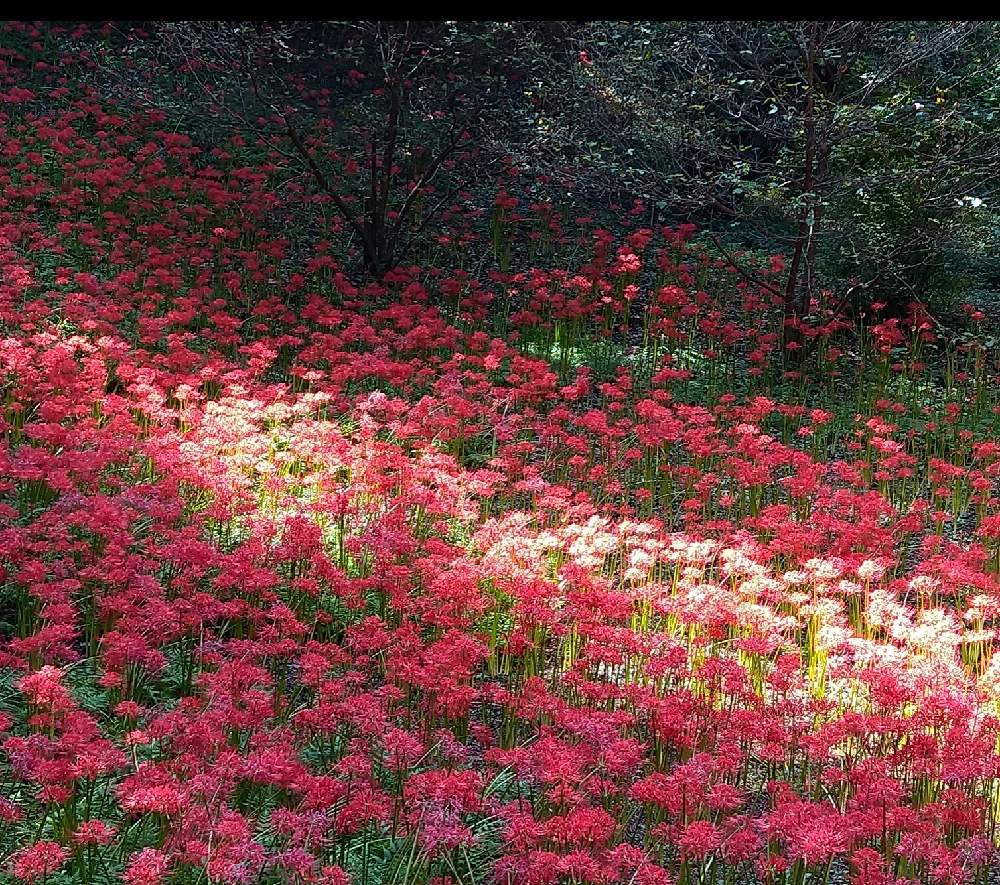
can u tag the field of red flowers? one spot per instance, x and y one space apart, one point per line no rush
554 574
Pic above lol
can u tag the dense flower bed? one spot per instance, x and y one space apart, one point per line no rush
545 575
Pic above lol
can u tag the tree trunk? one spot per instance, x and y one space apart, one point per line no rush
796 303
